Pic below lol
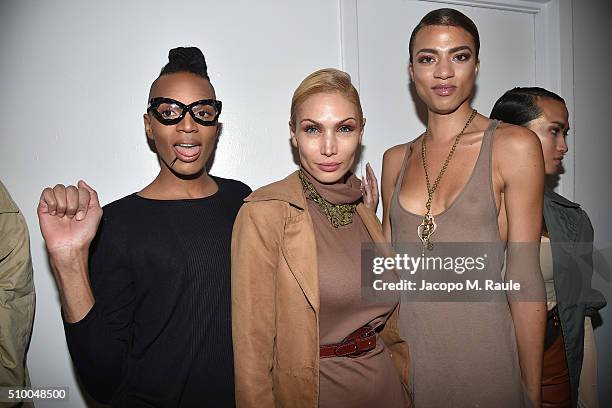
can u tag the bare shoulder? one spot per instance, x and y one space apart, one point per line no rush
512 141
392 164
395 153
517 154
393 158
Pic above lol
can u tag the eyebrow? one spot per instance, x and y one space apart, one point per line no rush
561 125
319 124
452 50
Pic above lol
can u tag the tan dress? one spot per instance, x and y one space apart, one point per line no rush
463 354
370 380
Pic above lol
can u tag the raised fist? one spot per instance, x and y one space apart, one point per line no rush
69 217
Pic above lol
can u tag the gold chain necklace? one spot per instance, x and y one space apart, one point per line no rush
338 215
428 226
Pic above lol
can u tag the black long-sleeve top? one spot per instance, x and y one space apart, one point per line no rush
159 333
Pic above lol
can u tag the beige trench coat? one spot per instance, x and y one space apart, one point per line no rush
275 300
17 296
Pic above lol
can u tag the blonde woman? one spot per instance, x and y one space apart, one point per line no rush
303 337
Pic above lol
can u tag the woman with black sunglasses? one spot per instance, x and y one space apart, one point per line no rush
145 284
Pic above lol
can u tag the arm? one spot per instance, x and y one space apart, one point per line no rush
95 291
69 218
594 300
17 297
255 252
587 389
392 162
522 171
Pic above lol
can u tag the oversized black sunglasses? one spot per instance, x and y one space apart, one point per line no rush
170 111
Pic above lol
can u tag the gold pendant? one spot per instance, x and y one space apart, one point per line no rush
426 230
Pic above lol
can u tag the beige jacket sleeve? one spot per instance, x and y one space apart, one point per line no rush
17 296
255 253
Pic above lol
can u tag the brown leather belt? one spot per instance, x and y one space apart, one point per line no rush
356 343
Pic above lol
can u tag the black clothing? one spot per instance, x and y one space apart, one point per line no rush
159 333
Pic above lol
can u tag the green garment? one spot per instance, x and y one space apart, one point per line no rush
17 298
571 239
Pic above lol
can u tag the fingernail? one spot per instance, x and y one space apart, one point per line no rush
79 215
53 212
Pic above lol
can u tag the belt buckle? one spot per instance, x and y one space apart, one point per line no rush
366 343
369 333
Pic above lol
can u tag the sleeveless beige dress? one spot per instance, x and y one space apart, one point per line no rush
463 354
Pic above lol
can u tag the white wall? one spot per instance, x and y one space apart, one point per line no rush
74 82
593 145
74 77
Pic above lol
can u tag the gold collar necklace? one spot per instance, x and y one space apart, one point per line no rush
338 215
428 226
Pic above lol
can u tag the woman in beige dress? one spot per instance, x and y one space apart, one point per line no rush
303 336
445 188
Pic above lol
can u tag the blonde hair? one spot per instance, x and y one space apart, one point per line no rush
327 80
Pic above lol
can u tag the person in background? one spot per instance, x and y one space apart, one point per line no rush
145 284
569 375
17 297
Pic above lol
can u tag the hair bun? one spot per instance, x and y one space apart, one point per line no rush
188 59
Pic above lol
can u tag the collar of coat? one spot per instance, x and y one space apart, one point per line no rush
288 189
291 191
559 199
